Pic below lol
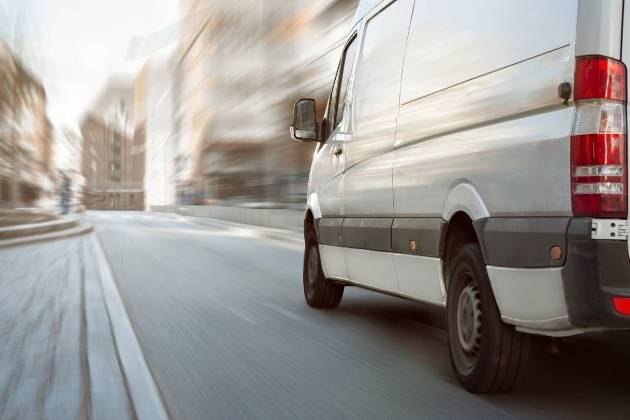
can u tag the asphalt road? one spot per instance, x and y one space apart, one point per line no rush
220 315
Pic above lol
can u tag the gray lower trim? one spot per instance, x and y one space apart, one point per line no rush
522 242
374 234
329 230
505 242
383 234
426 232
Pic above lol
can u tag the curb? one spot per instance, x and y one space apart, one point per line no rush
144 393
31 229
73 229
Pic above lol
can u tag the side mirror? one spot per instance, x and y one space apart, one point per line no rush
304 127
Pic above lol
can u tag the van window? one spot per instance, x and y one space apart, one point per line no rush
340 87
377 83
343 89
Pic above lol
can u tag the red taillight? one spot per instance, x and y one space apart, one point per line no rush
599 78
622 305
598 142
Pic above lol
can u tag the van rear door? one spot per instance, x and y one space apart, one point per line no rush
600 177
625 57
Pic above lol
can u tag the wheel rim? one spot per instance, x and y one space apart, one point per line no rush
468 326
312 267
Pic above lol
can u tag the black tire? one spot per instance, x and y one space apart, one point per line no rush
319 292
486 353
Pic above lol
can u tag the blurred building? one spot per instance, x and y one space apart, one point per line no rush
155 108
243 63
26 135
113 153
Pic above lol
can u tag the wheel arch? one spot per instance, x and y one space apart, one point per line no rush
312 205
311 215
310 228
462 208
464 197
459 231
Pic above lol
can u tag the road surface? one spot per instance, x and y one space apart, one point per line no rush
220 316
58 357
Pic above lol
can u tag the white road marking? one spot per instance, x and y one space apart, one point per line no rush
241 314
291 315
142 388
181 219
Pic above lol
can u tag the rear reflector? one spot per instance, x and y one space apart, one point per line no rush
599 170
598 141
622 305
614 188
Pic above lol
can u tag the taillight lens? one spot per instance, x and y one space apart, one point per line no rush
599 78
598 142
622 305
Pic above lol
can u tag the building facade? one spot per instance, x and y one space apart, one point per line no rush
113 153
26 136
243 64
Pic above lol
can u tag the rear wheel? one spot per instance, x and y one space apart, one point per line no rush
318 290
485 352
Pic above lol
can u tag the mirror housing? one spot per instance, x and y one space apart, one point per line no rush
304 127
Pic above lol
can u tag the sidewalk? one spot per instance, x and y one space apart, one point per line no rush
21 217
281 218
291 235
58 357
28 226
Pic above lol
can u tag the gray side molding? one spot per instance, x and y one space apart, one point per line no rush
329 230
426 233
522 242
374 233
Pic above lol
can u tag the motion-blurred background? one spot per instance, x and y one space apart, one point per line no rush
130 105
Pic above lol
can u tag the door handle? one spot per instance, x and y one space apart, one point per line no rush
338 151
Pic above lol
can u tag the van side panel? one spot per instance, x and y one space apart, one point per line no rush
370 153
480 106
369 208
599 27
451 42
518 167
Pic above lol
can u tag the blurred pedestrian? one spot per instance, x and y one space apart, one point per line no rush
65 194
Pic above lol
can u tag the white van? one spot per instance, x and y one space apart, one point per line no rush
473 155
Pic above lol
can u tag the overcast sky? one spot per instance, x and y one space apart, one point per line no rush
75 45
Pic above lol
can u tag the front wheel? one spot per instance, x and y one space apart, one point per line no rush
485 352
318 290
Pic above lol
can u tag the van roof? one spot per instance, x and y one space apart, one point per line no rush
364 8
